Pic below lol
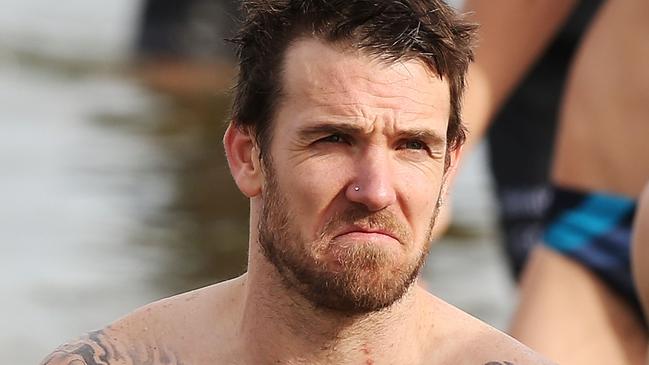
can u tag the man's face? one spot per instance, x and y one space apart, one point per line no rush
353 175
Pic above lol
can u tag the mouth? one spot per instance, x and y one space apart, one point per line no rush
367 234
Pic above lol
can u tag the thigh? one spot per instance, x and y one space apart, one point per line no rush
569 315
640 252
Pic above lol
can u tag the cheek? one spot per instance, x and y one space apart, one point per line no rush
419 192
310 189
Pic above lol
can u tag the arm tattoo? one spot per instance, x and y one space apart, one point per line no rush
92 349
499 363
96 348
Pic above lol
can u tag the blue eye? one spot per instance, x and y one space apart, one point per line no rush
414 145
334 138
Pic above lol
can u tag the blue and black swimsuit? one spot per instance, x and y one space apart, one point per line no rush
595 229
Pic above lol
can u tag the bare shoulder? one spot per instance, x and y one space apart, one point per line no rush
468 340
107 348
92 349
493 347
158 333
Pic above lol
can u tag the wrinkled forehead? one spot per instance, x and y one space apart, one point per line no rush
335 74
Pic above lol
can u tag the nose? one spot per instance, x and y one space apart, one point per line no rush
373 183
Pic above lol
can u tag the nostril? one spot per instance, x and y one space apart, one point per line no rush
373 195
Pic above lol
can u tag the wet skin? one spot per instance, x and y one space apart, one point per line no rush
97 349
345 138
345 120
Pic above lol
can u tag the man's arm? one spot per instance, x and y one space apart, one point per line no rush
110 347
93 349
511 36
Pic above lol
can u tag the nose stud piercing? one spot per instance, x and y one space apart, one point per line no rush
356 188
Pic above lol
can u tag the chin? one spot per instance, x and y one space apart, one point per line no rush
361 279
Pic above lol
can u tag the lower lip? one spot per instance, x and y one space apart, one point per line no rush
371 237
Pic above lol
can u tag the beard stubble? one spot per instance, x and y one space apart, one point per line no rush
363 278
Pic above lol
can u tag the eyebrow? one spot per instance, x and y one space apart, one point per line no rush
426 135
329 128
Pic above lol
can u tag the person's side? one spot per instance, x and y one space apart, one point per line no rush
593 317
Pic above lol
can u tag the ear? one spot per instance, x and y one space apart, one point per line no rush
243 159
451 171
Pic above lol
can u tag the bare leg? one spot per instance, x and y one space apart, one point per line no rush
640 251
567 314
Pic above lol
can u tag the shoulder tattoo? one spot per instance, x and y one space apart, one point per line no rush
92 349
96 348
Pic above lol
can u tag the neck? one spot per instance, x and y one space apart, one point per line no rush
280 325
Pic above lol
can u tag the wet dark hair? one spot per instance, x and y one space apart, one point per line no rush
391 30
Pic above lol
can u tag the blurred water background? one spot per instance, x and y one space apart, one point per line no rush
113 195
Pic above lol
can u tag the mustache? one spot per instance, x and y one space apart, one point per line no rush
358 215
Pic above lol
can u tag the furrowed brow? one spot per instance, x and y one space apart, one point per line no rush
329 128
426 135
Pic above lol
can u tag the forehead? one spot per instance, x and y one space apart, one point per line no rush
336 77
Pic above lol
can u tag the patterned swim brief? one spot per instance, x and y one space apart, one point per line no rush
594 229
